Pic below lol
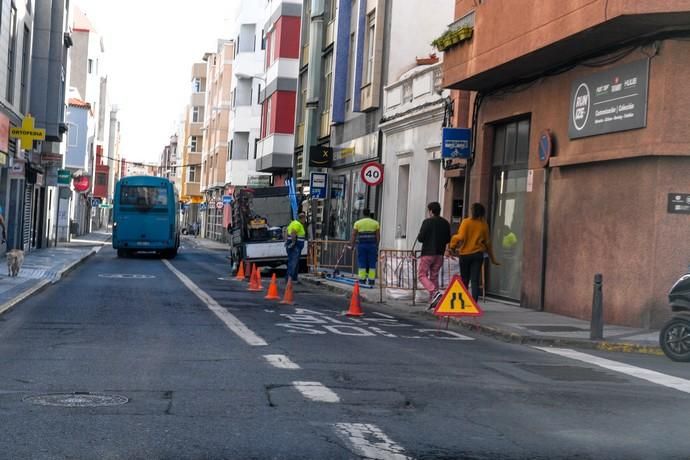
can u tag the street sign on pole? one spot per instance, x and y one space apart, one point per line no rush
456 143
317 185
372 173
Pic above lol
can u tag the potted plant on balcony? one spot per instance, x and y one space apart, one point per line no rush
452 37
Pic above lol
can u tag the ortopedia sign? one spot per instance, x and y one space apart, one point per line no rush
372 173
456 301
27 134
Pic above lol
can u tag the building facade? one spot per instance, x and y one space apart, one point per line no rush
246 87
214 156
275 149
578 151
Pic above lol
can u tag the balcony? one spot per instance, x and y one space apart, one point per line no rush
245 118
275 152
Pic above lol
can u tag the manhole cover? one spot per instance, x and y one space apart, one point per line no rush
77 400
555 328
571 373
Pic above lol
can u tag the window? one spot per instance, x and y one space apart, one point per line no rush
191 174
194 143
230 149
72 135
269 110
258 95
89 66
198 85
371 42
23 101
263 40
101 179
331 10
273 48
11 57
143 196
197 114
327 83
350 72
256 146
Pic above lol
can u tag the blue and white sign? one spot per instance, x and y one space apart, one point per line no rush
456 143
317 185
95 202
228 199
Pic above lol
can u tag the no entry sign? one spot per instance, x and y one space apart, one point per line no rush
372 173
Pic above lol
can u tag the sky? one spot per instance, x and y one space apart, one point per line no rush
150 46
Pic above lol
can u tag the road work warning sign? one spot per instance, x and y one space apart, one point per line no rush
456 301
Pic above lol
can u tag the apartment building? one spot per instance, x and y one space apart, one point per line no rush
214 158
169 160
192 145
578 148
275 149
52 40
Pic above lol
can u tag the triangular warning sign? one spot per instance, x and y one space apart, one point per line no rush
456 301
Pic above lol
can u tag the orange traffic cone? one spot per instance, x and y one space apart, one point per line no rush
273 290
355 306
289 298
252 279
256 285
240 272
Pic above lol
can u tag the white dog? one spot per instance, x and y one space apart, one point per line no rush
15 259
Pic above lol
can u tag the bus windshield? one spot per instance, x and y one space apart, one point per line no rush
143 196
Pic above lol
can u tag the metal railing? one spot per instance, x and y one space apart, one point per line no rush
331 255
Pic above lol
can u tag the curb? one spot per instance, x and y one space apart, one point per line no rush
512 337
74 264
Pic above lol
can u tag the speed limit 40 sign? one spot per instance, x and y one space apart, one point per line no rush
372 173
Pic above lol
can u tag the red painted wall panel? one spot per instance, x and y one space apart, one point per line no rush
283 112
287 29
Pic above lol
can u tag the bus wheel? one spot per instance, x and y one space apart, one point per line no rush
169 253
121 253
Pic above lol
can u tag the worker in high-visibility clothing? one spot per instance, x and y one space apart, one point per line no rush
296 237
366 233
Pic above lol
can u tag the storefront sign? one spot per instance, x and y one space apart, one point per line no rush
27 134
317 185
610 101
372 173
320 156
64 176
679 203
40 179
219 205
456 143
81 184
228 199
259 181
17 170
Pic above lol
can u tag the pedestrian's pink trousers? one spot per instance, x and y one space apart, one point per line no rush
429 267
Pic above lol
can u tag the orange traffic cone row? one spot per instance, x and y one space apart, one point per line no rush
289 297
240 272
273 290
355 305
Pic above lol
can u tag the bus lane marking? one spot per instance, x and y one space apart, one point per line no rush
370 441
281 362
230 320
311 322
316 391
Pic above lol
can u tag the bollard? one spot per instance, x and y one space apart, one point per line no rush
596 327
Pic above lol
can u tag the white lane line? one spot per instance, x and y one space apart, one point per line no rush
281 362
645 374
230 320
316 392
370 442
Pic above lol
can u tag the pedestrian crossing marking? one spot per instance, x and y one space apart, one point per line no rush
456 301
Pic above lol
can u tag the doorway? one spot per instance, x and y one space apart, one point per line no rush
507 213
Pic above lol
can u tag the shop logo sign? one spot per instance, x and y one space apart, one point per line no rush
581 106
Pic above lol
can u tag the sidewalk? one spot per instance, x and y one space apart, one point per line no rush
45 266
521 325
198 242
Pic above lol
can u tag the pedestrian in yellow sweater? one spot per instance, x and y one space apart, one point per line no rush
471 242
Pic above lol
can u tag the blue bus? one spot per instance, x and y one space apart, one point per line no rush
145 216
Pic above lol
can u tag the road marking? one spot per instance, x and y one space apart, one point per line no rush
316 392
230 320
369 441
281 362
633 371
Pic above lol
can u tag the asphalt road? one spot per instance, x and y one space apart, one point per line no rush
138 358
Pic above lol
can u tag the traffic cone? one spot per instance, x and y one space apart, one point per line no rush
252 280
240 272
273 290
256 285
289 298
355 306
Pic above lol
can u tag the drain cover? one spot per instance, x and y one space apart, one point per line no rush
77 400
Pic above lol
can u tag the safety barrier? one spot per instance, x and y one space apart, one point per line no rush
331 255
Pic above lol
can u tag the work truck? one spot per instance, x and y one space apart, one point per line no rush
259 220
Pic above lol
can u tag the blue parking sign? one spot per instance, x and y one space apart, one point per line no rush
456 143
